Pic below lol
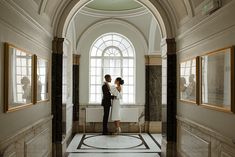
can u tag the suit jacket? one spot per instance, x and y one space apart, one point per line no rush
107 97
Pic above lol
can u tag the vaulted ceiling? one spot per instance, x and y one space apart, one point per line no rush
113 5
182 9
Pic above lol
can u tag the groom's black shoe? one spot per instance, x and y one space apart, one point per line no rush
107 133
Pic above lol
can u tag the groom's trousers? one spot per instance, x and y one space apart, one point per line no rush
106 118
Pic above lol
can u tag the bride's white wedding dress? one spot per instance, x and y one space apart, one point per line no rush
115 114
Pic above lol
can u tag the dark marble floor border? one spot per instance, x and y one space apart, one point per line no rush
158 144
132 148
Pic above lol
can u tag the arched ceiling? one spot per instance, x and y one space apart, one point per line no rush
182 10
113 5
178 14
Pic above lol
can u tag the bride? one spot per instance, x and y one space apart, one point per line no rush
117 92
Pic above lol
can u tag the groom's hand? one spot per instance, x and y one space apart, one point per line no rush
113 97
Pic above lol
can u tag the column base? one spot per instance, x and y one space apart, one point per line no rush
168 149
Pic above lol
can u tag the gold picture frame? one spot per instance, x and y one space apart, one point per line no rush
188 83
18 78
41 75
217 80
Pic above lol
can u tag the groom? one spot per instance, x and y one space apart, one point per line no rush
106 102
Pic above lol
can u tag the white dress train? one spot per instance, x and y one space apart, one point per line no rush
115 114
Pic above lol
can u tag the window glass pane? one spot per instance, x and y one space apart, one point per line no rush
125 71
99 52
98 89
107 37
122 47
125 62
99 79
98 97
98 43
93 62
131 63
92 97
93 71
92 89
102 47
106 63
125 53
109 43
116 43
130 51
93 80
131 72
106 71
98 71
126 43
98 62
118 63
117 38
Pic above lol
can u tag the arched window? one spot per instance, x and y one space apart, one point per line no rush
112 54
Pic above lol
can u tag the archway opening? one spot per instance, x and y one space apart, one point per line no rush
166 30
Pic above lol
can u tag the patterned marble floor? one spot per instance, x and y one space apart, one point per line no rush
131 145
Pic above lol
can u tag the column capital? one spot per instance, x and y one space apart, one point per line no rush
57 45
171 46
153 60
168 47
76 59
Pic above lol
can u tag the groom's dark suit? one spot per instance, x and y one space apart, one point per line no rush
106 103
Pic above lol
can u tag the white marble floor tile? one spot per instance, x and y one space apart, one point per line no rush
158 138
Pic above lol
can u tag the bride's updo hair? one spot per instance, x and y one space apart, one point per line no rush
120 80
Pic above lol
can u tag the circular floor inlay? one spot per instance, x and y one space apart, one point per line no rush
112 142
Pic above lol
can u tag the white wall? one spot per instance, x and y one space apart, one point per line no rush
69 47
92 34
206 125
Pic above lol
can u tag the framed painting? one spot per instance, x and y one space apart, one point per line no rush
189 80
41 81
18 81
217 80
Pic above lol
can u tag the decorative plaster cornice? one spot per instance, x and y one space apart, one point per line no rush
114 14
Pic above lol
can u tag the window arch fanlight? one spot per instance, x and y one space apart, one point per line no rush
113 54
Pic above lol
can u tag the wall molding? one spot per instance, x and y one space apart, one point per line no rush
203 22
23 34
32 145
186 41
205 130
206 39
21 133
20 11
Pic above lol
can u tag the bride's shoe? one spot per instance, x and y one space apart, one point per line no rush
119 130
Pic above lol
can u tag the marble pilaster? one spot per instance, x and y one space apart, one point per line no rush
57 71
153 88
169 123
76 62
